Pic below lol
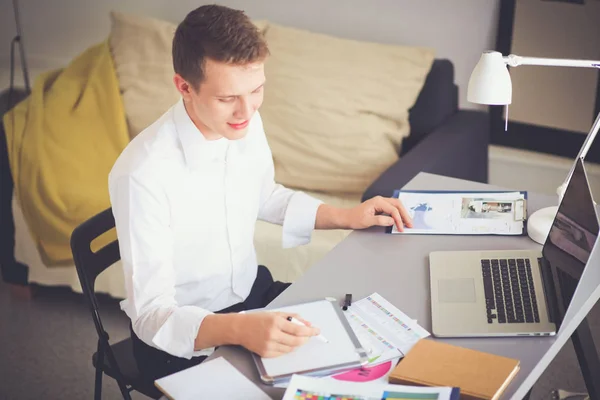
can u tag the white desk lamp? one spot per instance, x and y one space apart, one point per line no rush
490 84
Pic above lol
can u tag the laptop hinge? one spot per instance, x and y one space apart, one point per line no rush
550 293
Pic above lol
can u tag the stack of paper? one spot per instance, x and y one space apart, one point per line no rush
384 331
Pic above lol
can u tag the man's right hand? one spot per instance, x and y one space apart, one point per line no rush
270 334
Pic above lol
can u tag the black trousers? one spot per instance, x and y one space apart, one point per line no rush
154 363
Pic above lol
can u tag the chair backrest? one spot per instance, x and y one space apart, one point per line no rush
90 264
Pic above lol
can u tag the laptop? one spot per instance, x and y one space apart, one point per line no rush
516 292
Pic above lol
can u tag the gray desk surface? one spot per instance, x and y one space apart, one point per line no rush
396 267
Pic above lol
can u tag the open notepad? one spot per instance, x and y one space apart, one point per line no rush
464 213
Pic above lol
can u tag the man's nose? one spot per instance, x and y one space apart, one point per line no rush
244 110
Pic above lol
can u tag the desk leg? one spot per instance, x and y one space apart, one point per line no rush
587 355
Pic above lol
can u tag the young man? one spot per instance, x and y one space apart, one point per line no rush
186 194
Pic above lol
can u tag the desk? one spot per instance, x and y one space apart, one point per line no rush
397 267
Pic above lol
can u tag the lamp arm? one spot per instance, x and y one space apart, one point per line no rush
589 139
514 61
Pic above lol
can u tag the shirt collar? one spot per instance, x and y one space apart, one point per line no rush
196 149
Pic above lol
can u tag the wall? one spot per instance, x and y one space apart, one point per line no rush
56 30
562 98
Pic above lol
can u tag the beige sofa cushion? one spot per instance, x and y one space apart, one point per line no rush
141 51
336 110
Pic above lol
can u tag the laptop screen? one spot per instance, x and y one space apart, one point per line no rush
570 242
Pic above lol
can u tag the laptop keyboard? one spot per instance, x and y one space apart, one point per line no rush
509 291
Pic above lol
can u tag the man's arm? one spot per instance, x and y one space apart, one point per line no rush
380 211
300 214
295 211
146 244
142 218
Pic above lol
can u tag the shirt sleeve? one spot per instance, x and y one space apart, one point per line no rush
295 210
142 220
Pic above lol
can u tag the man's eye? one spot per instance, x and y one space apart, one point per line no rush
226 100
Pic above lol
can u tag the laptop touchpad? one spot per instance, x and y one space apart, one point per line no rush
456 290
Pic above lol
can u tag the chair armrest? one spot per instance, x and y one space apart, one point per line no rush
458 148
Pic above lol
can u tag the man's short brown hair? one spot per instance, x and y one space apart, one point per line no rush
219 33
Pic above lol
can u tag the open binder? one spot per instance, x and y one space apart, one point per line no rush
445 212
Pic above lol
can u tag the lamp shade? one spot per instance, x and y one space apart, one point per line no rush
490 81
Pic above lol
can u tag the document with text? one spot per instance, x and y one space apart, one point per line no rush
383 330
464 213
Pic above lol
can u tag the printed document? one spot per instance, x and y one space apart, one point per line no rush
468 213
383 330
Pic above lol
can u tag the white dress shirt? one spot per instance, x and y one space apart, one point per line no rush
185 211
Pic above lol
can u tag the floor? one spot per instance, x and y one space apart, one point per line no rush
47 343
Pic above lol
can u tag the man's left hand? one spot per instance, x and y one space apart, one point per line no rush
371 213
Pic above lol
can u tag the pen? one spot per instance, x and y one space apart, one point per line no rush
347 301
297 322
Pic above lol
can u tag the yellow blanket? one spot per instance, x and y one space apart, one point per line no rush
62 142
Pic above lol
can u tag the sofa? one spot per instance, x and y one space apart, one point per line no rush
437 138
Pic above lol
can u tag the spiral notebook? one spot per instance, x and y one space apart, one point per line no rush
464 212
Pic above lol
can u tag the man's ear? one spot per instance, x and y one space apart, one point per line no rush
183 87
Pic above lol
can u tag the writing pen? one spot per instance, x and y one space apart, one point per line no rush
298 322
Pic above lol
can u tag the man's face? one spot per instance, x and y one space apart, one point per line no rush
226 99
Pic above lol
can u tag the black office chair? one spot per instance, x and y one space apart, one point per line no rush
116 361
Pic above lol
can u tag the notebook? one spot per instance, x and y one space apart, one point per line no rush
479 375
214 379
464 212
316 358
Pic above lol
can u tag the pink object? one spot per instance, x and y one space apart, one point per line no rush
365 374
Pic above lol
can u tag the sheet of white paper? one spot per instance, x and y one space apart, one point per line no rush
463 213
301 387
215 379
382 329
